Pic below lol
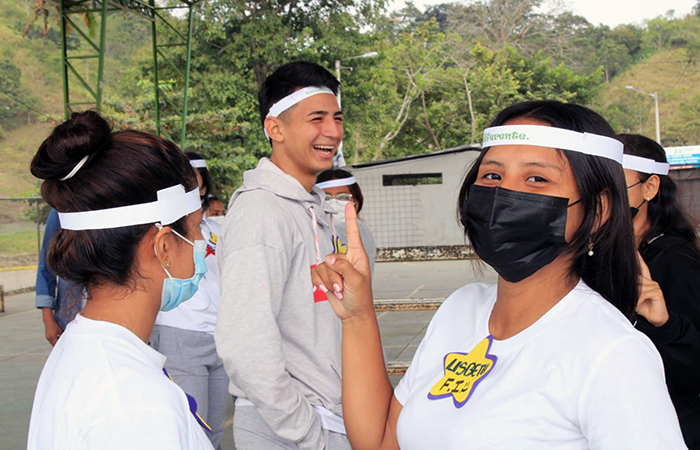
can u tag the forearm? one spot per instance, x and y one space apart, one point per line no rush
367 391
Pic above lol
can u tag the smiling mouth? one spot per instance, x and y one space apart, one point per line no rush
324 149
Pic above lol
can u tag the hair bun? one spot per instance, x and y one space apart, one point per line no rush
83 134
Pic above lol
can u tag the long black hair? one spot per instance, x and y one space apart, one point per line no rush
665 212
613 268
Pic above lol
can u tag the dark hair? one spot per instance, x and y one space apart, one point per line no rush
665 212
206 177
339 174
612 270
123 168
289 78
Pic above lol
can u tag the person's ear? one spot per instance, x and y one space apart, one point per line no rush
603 211
650 188
274 128
163 246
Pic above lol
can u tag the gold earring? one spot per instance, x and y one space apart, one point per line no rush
590 245
167 262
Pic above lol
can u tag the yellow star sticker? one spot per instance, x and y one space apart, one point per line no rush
338 246
463 372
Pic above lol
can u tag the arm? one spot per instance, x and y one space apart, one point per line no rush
248 339
45 279
370 410
674 331
46 283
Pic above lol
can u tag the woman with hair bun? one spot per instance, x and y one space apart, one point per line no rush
129 210
669 304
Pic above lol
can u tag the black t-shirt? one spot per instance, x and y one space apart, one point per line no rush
675 266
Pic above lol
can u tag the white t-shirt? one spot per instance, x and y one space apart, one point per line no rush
103 388
580 377
199 312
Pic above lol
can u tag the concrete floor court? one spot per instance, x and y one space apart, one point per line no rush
23 348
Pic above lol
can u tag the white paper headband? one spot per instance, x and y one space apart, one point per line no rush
294 98
542 136
198 163
645 165
172 204
336 183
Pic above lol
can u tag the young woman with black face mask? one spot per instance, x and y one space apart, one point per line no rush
547 357
669 303
129 210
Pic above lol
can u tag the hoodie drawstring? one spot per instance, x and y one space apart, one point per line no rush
315 226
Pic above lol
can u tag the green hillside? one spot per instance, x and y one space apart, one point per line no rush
677 81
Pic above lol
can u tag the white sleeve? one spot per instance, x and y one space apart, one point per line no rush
624 403
146 430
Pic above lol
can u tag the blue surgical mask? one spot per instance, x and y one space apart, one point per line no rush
178 290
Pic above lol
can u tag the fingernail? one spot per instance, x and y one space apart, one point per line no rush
336 287
339 295
323 288
331 261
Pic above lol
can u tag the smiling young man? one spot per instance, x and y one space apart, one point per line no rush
279 339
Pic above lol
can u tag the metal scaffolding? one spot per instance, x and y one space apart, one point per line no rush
69 9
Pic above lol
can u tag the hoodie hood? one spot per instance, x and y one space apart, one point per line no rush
268 177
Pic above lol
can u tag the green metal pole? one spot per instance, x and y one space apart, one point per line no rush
101 62
154 41
64 61
190 20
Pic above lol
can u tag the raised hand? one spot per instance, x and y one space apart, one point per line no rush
651 304
346 278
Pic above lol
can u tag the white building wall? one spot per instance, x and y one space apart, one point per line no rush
414 216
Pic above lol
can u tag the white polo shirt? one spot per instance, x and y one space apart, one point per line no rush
103 388
581 377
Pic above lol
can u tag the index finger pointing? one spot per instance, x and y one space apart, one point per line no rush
352 229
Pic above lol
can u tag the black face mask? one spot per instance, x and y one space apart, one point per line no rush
634 211
516 233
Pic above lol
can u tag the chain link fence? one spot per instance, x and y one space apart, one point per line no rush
22 223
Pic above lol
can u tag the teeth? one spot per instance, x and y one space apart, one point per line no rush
324 147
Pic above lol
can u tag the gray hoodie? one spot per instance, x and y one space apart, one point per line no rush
279 340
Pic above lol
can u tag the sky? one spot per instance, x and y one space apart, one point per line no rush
608 12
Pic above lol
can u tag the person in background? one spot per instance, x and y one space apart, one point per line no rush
669 303
545 358
129 210
185 335
341 188
215 207
278 337
58 299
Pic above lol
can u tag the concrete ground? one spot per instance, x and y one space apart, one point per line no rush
23 349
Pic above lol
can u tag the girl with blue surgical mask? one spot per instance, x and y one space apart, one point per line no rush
129 210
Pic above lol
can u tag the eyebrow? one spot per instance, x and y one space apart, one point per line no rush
540 164
325 113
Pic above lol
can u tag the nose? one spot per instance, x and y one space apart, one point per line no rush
332 128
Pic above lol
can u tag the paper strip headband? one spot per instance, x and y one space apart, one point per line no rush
294 98
172 204
645 165
542 136
198 163
336 183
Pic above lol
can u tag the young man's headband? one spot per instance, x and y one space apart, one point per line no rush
294 98
645 165
172 204
198 163
336 183
542 136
